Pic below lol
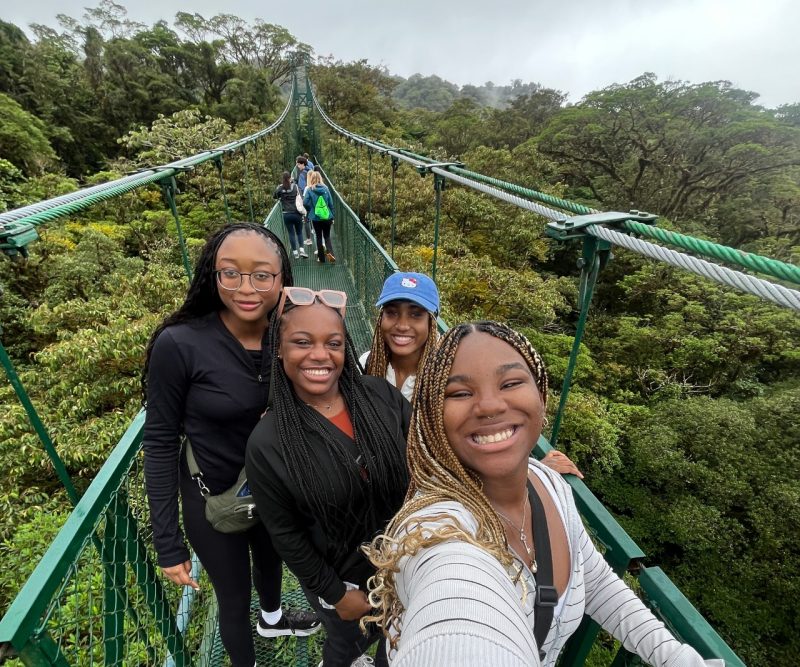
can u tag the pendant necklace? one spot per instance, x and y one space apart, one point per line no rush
322 408
523 538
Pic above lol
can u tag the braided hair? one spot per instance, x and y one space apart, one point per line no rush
437 475
203 296
379 449
380 355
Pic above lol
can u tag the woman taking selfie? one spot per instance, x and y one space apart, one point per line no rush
488 561
326 465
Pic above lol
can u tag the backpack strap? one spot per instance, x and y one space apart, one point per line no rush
546 593
194 469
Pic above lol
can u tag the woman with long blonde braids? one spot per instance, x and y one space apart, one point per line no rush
456 580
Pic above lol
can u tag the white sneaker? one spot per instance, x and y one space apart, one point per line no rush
295 254
303 253
361 661
308 242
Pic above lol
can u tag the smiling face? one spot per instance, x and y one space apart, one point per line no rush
312 346
248 252
405 327
493 411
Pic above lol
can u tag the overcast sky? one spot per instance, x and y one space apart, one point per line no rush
572 45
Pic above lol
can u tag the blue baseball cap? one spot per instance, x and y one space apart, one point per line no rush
416 287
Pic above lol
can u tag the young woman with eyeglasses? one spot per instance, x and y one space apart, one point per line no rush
206 378
326 464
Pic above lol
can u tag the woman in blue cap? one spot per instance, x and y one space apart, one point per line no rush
405 332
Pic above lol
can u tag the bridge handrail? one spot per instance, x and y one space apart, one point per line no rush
514 194
79 200
31 603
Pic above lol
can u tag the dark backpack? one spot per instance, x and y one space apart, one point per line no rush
321 210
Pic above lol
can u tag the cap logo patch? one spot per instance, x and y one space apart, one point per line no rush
409 282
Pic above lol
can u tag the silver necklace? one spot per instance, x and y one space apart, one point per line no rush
523 538
323 407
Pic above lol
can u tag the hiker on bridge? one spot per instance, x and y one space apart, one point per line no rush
206 379
488 561
327 464
288 194
319 206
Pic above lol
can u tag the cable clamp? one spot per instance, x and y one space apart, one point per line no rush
428 168
574 227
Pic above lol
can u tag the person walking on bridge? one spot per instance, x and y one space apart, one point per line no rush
319 205
288 192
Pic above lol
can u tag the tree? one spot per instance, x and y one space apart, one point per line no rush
672 147
22 138
425 92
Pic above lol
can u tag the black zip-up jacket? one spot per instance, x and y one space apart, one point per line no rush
203 383
303 542
287 197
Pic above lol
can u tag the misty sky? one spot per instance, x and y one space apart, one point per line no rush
572 45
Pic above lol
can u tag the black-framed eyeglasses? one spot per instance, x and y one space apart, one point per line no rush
231 279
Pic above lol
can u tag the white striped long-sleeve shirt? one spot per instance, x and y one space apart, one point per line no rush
462 607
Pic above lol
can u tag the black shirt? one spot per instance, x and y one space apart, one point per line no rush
308 547
287 197
204 384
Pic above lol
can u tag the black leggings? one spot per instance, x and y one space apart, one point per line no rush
226 558
323 228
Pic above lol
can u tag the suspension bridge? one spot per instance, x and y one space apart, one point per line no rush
96 596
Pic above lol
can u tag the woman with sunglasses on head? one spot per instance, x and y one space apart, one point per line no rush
206 378
406 334
326 464
488 561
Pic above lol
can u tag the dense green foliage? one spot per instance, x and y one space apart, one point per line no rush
685 411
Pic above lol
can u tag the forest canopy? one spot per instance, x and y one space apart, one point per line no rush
685 409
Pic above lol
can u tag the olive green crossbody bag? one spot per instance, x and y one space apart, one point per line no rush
233 510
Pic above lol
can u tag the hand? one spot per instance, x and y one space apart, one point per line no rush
181 574
353 605
561 463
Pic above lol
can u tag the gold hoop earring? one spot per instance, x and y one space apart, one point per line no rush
545 423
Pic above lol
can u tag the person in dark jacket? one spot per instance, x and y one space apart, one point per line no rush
206 377
293 219
322 226
326 465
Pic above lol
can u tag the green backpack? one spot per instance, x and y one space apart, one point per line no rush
321 210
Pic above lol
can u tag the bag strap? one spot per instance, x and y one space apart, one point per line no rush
546 593
194 469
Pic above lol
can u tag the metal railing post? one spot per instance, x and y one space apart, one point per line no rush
169 188
438 186
596 253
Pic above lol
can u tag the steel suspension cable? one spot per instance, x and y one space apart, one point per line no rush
73 202
783 296
506 192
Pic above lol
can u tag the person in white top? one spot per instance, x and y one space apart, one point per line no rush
456 580
405 332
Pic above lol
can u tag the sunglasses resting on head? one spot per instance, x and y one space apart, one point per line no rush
304 296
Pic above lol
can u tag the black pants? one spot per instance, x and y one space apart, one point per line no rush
323 228
344 641
226 558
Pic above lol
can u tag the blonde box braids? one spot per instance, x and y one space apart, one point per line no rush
437 475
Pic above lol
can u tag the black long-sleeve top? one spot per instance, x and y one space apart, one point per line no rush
287 197
304 543
202 383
